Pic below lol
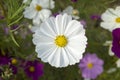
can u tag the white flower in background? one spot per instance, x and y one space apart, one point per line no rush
118 63
111 70
109 43
39 10
111 19
74 12
60 41
24 1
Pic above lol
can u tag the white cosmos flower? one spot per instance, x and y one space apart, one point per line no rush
38 10
111 18
60 41
71 11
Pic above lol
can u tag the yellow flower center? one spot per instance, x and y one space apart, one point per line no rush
31 68
118 20
38 7
14 61
90 65
61 41
75 12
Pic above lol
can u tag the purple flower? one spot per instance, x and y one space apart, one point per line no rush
4 59
14 27
14 69
116 42
13 63
95 17
83 22
33 69
1 17
55 14
91 66
6 30
74 0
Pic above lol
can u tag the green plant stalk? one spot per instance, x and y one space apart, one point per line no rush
13 38
2 8
16 28
18 11
15 21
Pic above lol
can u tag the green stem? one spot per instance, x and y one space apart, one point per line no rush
18 11
15 21
2 8
110 2
16 28
13 38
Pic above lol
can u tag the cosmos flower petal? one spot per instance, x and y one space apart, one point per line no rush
54 58
115 42
60 59
45 31
62 22
64 60
86 71
51 24
29 12
36 1
65 20
98 70
76 55
73 27
71 57
118 10
115 34
43 39
58 24
44 55
108 25
46 5
108 15
44 14
36 20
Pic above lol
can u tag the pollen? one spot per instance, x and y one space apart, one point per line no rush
31 68
118 20
14 61
38 7
61 41
90 65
